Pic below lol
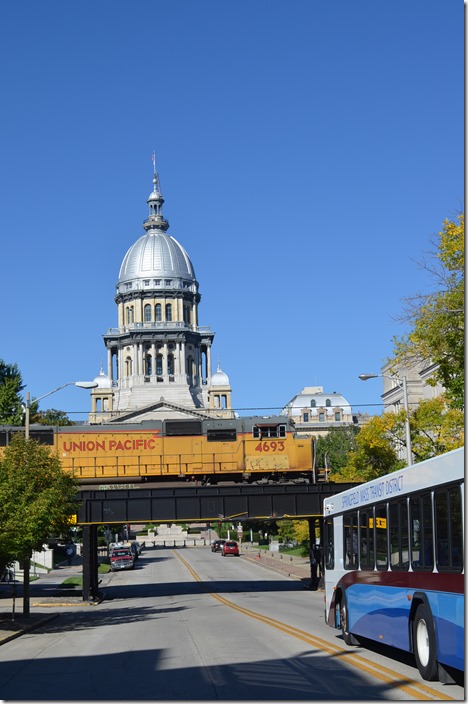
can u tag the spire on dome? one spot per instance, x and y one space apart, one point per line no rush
155 201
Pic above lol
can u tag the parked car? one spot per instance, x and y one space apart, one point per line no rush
230 547
122 559
217 545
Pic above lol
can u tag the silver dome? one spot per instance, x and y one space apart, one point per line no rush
156 255
220 378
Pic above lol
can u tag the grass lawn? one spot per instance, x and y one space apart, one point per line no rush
77 581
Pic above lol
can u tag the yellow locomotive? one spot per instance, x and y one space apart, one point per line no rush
245 449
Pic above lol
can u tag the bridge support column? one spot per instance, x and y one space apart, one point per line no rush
90 563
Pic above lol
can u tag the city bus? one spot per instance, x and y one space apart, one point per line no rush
393 563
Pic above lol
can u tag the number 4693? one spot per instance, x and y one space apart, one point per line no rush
271 446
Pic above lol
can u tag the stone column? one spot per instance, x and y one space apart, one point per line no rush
110 371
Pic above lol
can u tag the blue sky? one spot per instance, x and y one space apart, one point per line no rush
307 153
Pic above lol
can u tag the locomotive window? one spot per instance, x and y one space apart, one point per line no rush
183 427
269 431
44 437
220 435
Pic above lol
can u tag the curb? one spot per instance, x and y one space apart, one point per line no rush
278 569
25 628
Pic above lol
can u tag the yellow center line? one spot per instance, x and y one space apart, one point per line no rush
405 684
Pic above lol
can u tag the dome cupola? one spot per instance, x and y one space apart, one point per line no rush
156 260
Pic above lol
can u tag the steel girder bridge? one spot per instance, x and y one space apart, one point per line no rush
116 504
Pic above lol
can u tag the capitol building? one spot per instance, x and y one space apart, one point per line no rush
159 362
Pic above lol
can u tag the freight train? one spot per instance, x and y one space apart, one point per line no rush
251 449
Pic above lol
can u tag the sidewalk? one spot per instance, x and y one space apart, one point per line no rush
46 592
291 565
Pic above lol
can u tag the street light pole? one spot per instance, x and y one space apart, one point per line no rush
402 380
27 561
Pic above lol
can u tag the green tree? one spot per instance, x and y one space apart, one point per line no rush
436 428
437 319
36 498
50 417
332 449
302 532
375 452
11 386
285 530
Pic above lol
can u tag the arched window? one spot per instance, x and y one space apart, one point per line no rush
169 312
313 403
158 312
190 368
147 313
159 365
328 402
128 366
148 365
170 364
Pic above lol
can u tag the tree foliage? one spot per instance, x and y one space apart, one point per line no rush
286 530
375 453
435 428
36 498
332 449
437 319
301 532
51 417
11 403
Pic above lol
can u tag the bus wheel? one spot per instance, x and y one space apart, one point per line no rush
424 643
348 637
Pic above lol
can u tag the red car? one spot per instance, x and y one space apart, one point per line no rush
122 559
230 547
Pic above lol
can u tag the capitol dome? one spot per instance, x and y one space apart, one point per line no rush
156 255
156 259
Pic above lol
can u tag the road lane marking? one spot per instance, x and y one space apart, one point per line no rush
415 689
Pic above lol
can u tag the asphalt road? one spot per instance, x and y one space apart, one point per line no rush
190 625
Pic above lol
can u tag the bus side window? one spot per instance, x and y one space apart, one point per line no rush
448 522
456 529
381 541
329 544
422 542
366 540
398 534
350 541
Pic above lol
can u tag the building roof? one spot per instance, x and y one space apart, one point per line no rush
314 398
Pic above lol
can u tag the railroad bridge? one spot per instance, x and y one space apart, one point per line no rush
115 504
